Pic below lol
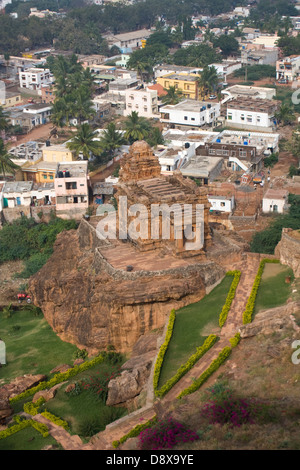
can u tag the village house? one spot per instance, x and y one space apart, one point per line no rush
275 200
10 99
183 82
253 114
242 150
190 114
72 189
34 78
29 116
288 68
203 168
143 101
253 92
57 153
221 203
132 39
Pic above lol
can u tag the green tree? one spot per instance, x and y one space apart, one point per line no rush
174 95
85 142
285 115
136 127
6 163
111 139
208 80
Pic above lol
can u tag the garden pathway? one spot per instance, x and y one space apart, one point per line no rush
116 430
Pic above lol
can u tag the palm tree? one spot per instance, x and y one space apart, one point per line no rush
83 107
285 115
173 96
111 139
136 127
4 124
6 164
208 80
84 142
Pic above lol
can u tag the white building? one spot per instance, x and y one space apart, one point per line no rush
288 68
242 91
17 193
221 203
34 78
190 113
252 114
275 200
144 102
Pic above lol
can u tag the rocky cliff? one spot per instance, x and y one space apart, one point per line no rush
92 307
288 249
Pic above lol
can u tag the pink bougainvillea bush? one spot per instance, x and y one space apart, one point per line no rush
165 434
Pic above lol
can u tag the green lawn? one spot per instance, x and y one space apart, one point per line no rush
29 439
273 290
193 324
86 410
32 347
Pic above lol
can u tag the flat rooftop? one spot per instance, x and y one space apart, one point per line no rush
190 105
17 186
276 194
200 166
248 104
75 169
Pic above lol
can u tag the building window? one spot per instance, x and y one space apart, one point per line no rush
229 117
72 185
185 118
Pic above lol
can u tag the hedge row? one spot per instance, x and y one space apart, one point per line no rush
230 296
208 343
216 363
33 408
235 340
247 315
163 349
58 378
55 419
135 431
42 428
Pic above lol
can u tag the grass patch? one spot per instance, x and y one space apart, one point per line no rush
85 410
194 323
273 291
29 439
32 347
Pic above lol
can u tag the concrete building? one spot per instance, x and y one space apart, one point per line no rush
203 168
252 114
71 189
259 56
190 113
17 193
10 99
288 68
253 92
34 78
57 153
39 172
184 82
275 200
29 116
242 150
166 69
132 39
221 203
143 101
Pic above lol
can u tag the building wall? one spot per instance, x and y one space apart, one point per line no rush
188 88
223 205
191 118
34 79
54 154
144 102
268 205
249 118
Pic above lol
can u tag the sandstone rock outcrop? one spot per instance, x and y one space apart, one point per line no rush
268 321
288 249
92 307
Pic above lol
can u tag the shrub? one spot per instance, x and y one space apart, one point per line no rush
165 434
235 340
163 349
230 296
90 427
216 363
247 315
55 419
58 378
135 431
208 343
